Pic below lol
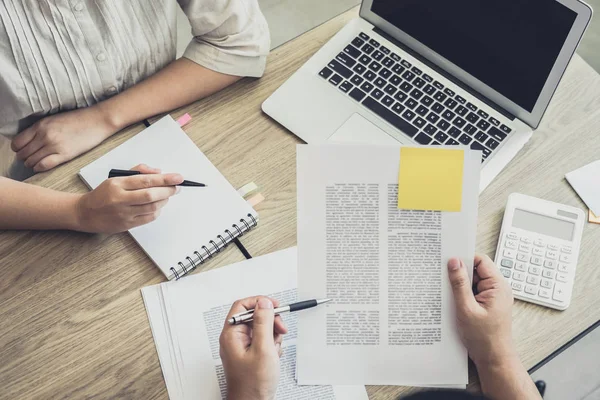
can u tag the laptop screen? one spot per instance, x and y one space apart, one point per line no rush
510 46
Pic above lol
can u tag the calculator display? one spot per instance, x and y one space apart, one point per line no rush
543 224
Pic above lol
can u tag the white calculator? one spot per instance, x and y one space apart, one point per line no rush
538 248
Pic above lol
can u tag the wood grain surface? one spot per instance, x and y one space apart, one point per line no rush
73 323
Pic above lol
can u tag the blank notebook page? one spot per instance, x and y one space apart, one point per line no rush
192 218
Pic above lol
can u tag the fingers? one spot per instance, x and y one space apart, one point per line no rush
26 151
36 157
461 286
48 163
145 181
147 196
149 208
485 267
280 327
22 139
263 325
278 343
144 169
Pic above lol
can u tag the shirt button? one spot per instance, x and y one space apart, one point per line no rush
78 7
101 57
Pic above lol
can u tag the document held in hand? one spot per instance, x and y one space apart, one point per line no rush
392 318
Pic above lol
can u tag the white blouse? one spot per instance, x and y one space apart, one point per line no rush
57 55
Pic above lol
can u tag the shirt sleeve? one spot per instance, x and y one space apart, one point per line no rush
230 36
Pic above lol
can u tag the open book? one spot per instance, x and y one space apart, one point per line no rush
392 318
196 223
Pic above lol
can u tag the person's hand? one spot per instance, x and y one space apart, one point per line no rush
250 353
59 138
484 318
122 203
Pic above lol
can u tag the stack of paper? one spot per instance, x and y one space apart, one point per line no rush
187 317
376 228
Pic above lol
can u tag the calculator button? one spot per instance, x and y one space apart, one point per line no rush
553 255
548 274
566 250
509 253
519 266
550 264
535 270
518 276
553 247
563 267
533 280
512 236
560 292
524 247
537 251
546 284
522 257
510 244
539 242
526 240
562 277
536 260
506 263
545 293
505 272
517 287
565 258
530 289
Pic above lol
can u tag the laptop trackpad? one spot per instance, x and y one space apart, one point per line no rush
359 130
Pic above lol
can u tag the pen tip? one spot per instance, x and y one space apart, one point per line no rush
324 301
231 321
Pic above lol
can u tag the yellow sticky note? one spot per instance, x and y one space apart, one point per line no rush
430 179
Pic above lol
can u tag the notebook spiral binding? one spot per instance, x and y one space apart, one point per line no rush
214 246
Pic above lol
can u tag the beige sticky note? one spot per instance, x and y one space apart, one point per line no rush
430 178
593 218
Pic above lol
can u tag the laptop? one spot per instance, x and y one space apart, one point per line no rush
436 72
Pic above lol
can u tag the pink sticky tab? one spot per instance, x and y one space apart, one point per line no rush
184 119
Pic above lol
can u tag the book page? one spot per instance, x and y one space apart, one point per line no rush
391 321
196 309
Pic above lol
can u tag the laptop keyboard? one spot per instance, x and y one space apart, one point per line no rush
411 100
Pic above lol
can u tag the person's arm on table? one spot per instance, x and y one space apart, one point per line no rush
485 325
231 40
117 205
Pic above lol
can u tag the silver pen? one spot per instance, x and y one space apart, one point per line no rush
247 316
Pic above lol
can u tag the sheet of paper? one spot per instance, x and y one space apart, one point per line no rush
392 319
586 182
430 178
193 314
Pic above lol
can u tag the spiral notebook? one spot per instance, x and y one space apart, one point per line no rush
197 223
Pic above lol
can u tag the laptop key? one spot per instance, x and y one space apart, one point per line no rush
459 122
400 96
477 146
364 36
358 42
395 57
496 134
432 117
398 69
367 87
441 137
408 76
416 70
439 96
492 144
378 94
422 110
436 143
481 137
370 75
346 60
416 94
449 92
406 87
325 73
438 85
486 153
449 115
395 80
494 121
452 142
419 82
377 55
390 117
470 129
450 103
398 108
384 50
375 66
460 99
388 62
390 89
472 117
336 79
406 63
483 125
423 138
411 103
483 114
385 73
408 115
368 49
471 106
443 124
340 69
346 87
430 129
429 89
357 80
419 122
462 111
387 101
505 128
427 78
438 108
454 132
352 51
365 59
427 101
357 94
374 43
359 68
465 139
380 82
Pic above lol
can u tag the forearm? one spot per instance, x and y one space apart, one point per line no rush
507 379
180 83
24 206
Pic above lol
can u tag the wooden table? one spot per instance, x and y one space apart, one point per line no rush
73 324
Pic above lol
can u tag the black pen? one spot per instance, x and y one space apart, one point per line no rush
246 316
114 173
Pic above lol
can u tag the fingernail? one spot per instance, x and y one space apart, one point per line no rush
264 303
453 264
